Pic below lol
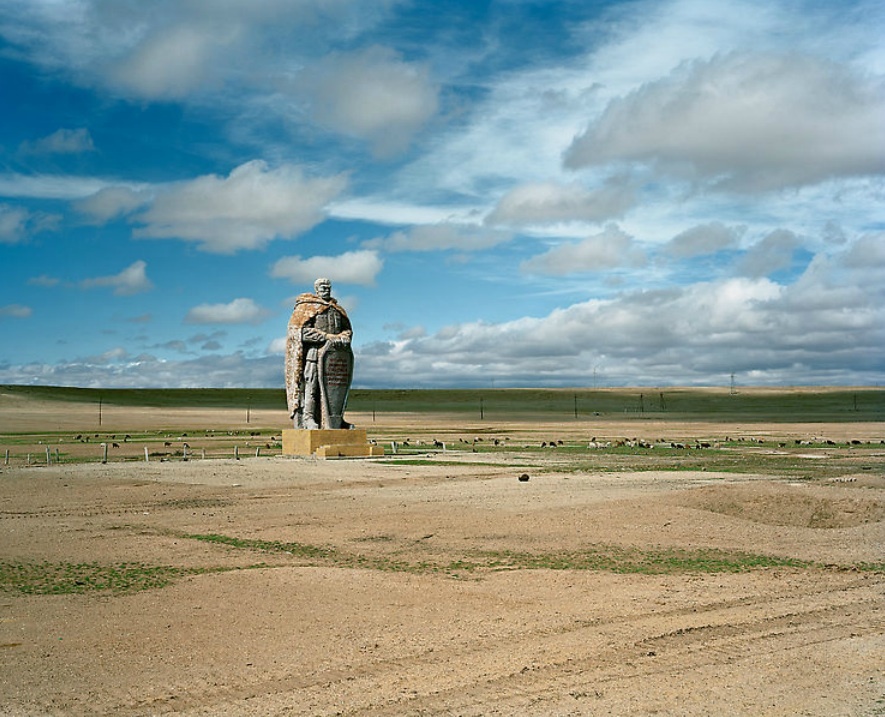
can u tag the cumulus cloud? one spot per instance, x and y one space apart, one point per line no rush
15 311
609 249
111 202
704 239
773 253
549 202
132 280
244 210
370 94
170 62
62 141
352 267
438 237
238 311
169 49
827 327
745 122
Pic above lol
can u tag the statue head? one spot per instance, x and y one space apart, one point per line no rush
322 287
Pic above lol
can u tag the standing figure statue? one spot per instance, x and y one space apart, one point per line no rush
319 360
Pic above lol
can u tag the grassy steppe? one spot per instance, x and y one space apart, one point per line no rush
786 405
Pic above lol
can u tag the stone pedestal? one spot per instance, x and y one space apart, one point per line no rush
329 443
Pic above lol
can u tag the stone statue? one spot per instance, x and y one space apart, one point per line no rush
319 360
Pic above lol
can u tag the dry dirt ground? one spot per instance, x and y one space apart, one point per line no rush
444 586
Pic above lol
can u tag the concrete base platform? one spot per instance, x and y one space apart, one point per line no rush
329 443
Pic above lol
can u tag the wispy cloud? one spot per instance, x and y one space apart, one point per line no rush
62 141
442 236
15 311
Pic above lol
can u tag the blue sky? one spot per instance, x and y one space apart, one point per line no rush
504 193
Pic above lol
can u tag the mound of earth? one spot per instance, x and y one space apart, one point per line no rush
794 505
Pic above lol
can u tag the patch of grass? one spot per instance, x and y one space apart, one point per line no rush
47 578
607 558
301 550
652 561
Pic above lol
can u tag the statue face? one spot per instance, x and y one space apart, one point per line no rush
324 290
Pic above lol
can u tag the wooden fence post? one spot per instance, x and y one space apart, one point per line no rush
146 459
104 452
48 456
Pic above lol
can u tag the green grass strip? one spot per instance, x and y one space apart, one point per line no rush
48 578
649 561
605 558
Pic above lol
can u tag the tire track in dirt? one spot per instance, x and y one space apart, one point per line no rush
516 671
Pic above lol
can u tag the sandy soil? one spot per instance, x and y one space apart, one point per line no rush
365 628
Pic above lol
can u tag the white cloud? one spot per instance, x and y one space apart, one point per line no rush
746 122
18 223
245 210
16 311
111 202
371 94
704 239
171 62
352 267
62 141
238 311
168 49
117 369
132 280
439 237
12 223
773 253
277 346
550 202
828 327
609 249
50 186
44 280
